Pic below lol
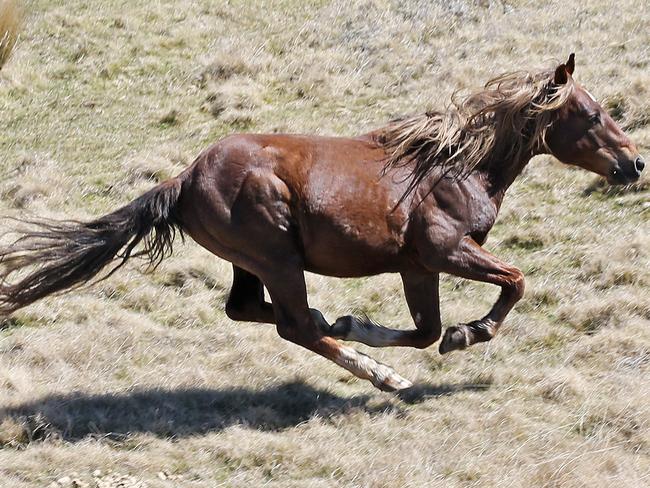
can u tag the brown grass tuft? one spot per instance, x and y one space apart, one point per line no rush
10 20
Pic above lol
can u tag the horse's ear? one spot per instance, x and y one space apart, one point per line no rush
571 63
561 75
565 70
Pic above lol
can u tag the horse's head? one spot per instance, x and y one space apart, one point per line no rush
583 134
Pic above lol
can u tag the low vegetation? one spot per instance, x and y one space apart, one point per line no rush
142 380
10 15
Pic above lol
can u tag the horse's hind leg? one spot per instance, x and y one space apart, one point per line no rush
260 238
246 300
421 291
298 324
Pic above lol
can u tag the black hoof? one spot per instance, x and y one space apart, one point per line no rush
454 338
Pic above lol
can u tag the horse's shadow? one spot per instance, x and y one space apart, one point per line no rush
180 413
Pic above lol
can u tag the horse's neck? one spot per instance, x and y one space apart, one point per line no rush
500 172
498 178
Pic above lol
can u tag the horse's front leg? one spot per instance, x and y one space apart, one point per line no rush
473 262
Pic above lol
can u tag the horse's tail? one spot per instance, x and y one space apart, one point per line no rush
67 254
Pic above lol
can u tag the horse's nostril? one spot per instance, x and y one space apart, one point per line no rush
639 164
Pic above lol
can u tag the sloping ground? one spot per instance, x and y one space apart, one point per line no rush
142 380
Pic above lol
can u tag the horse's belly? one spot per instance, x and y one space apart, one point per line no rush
349 249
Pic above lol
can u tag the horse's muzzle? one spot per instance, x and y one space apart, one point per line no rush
627 172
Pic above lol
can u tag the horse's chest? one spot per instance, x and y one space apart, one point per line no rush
482 215
467 208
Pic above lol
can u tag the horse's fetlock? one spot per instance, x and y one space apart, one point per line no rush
481 330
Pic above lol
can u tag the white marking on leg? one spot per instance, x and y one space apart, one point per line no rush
382 376
366 332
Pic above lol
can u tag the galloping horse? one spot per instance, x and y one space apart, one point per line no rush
417 197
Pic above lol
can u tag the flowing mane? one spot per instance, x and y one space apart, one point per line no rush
500 124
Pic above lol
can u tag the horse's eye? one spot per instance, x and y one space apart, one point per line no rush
594 119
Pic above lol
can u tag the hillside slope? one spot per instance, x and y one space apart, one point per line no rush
144 377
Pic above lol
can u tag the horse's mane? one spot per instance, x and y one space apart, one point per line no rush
500 124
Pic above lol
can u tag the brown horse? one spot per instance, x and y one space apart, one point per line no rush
417 197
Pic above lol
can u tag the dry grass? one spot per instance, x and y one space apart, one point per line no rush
143 379
10 17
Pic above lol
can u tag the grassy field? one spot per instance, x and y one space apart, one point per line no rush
143 380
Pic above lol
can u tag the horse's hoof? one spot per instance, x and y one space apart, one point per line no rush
394 382
386 379
454 338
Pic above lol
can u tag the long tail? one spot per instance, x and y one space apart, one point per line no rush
66 254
